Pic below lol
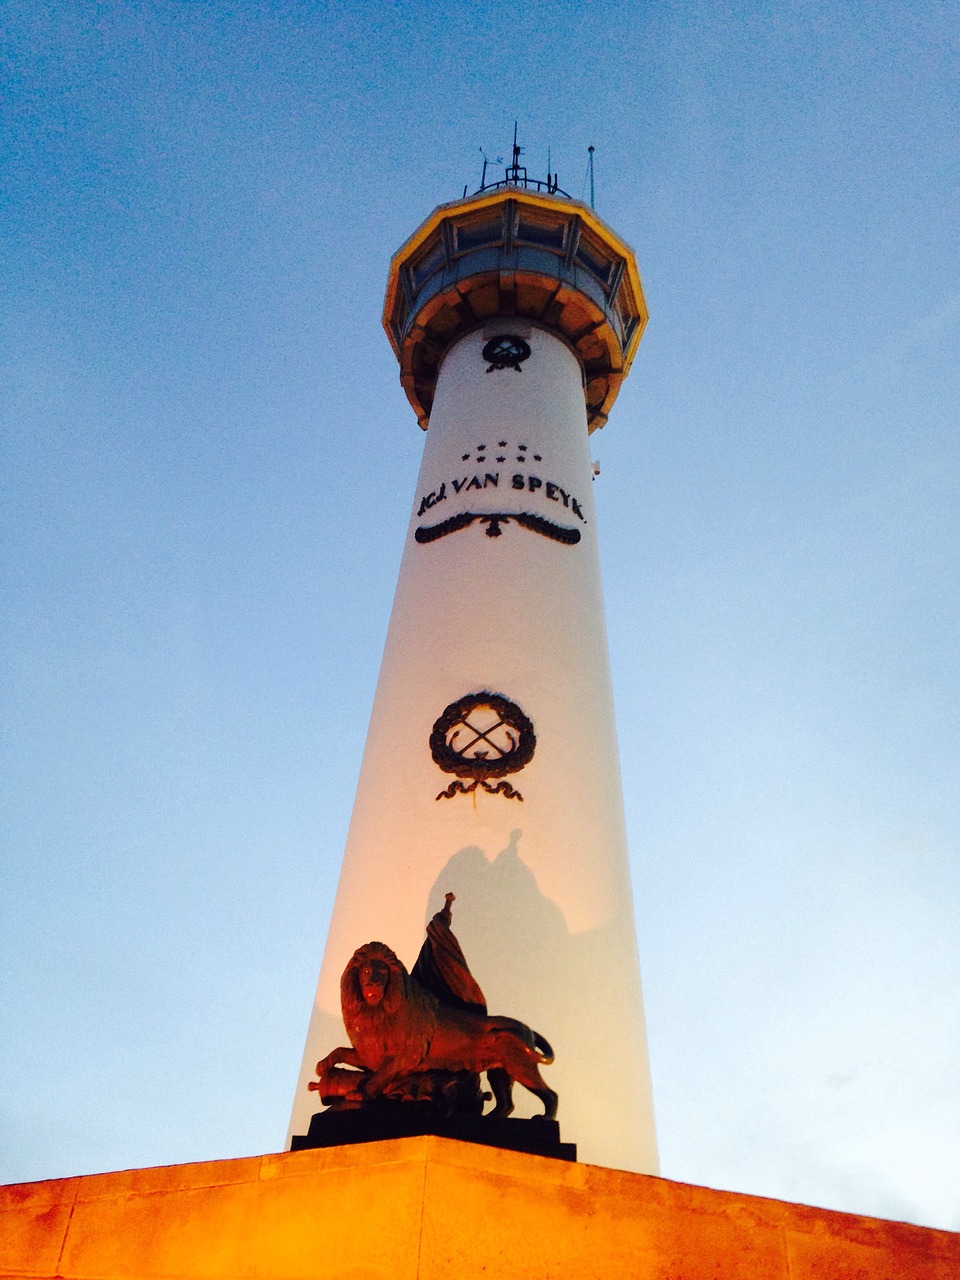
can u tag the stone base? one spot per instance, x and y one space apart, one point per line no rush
340 1128
433 1209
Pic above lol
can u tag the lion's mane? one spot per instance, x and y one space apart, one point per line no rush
401 1026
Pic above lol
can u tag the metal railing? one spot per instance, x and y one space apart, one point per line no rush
549 185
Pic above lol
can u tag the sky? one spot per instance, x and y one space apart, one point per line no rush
208 466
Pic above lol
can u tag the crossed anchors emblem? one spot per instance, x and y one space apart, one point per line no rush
482 736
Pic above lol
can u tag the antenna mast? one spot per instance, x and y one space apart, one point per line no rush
516 175
516 169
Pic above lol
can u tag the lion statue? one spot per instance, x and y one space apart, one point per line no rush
427 1035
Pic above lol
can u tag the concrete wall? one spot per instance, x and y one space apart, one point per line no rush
432 1209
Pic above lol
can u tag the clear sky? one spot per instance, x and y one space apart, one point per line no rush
208 466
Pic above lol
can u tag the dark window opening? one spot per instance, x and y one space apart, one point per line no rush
432 260
542 233
601 267
477 235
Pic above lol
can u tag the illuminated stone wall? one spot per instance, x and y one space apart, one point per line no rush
432 1209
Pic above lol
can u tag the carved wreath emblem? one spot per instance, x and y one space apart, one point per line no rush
506 351
479 737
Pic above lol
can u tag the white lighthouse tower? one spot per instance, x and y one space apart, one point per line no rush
491 767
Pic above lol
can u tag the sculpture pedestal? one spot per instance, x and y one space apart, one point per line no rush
341 1128
432 1209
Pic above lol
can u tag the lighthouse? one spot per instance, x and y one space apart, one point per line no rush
491 768
488 816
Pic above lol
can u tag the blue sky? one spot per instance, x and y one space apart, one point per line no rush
208 466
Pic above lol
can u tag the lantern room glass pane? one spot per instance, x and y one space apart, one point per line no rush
431 261
477 235
592 256
548 235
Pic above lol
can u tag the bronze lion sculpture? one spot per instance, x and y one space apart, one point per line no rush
410 1043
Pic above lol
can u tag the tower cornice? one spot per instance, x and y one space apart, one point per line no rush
515 252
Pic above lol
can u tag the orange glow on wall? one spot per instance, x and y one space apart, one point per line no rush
432 1209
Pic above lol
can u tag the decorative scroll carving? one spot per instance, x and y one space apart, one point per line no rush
464 788
493 520
423 1039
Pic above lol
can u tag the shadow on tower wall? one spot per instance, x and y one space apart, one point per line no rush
543 974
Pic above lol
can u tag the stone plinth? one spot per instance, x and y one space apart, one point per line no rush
432 1209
